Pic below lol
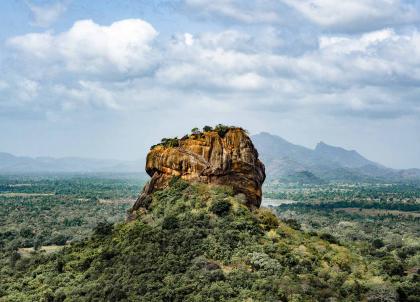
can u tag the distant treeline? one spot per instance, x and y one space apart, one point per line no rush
409 207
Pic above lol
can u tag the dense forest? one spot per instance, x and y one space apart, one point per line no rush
64 238
38 211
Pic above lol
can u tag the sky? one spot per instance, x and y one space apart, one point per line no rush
107 79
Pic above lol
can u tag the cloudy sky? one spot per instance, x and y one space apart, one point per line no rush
107 79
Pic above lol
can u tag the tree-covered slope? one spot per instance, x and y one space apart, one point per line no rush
195 243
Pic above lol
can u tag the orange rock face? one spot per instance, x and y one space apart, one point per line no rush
208 158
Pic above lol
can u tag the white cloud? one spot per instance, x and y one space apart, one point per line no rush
260 11
28 89
356 14
123 47
346 73
346 15
120 67
3 85
46 15
189 39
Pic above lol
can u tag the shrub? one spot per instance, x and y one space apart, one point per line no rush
377 243
59 239
268 219
328 237
382 293
220 207
222 130
170 223
26 233
170 142
207 128
178 183
14 257
59 265
264 263
103 228
293 223
195 131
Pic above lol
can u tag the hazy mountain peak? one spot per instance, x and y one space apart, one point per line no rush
286 161
346 158
324 146
17 164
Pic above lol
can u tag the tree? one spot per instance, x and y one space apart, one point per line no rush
220 207
170 223
207 128
221 129
14 257
103 228
195 130
37 244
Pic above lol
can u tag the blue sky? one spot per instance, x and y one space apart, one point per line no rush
107 79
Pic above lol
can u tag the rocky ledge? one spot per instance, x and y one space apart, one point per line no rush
223 156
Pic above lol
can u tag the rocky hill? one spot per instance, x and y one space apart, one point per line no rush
222 157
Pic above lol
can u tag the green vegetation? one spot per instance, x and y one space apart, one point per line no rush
195 132
379 222
221 129
169 142
50 210
63 238
195 243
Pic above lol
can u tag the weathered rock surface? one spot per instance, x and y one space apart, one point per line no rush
209 158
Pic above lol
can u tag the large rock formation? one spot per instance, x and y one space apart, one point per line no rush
214 157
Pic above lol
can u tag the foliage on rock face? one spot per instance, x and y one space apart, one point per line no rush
179 250
195 132
221 129
170 142
207 128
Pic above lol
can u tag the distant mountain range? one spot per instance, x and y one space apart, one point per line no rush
284 161
17 164
288 162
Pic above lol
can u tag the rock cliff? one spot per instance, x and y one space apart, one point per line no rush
225 157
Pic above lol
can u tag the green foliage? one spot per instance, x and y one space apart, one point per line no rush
178 183
103 228
378 222
265 264
220 207
328 237
170 142
180 251
38 211
377 243
207 128
222 129
170 222
195 131
268 219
